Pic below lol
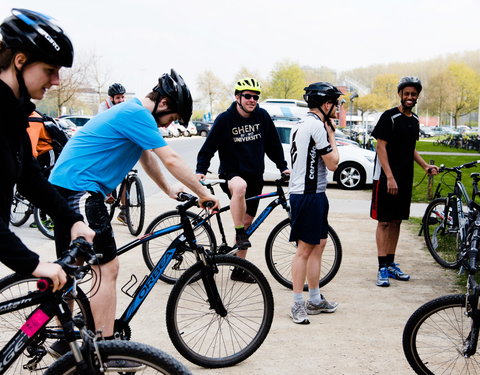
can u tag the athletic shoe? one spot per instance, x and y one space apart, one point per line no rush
299 314
123 365
122 216
58 348
241 240
323 307
394 272
382 277
109 199
48 223
239 274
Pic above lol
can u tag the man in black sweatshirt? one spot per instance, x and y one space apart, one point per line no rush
242 135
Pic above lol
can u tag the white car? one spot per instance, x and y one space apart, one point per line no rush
355 168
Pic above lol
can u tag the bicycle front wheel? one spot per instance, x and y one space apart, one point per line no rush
208 339
20 210
435 335
154 249
35 358
45 226
114 353
135 205
279 252
441 237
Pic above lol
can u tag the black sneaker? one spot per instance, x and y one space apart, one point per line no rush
123 365
241 240
241 275
58 348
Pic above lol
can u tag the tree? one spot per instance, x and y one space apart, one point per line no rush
212 89
287 81
438 94
385 86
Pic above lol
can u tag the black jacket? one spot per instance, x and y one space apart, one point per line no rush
19 167
242 144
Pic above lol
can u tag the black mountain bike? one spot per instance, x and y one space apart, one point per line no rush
21 211
27 324
212 320
446 219
131 193
279 251
441 337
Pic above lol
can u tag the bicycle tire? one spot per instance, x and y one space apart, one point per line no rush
20 210
154 249
433 338
135 205
440 236
42 225
279 252
154 360
15 285
201 335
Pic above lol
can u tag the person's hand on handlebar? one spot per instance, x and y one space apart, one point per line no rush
200 176
80 229
209 198
174 190
431 169
52 271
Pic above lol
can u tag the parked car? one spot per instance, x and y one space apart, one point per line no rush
203 128
166 133
78 120
190 130
68 126
174 130
355 168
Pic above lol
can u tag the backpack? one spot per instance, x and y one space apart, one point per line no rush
54 130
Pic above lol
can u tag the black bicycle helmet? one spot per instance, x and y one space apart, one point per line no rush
410 81
321 92
39 35
173 86
116 89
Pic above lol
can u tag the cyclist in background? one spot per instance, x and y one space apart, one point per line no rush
242 135
396 132
116 95
114 141
314 151
32 51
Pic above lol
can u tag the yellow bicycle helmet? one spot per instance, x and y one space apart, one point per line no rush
250 84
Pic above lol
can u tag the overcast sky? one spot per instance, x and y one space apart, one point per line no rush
137 40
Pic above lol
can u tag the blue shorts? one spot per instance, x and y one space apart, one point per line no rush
309 214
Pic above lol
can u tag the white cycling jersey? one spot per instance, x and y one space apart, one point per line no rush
104 105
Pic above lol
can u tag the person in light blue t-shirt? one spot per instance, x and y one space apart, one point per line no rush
99 156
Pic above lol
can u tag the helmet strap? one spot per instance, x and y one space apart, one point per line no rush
326 117
239 102
22 87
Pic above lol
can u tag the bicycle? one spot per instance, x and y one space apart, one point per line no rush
212 320
21 211
442 335
26 350
131 192
279 251
445 222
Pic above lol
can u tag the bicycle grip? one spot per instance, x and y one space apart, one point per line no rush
472 260
44 284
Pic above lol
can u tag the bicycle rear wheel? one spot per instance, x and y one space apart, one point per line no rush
20 210
206 338
135 205
113 352
434 338
441 237
45 226
154 249
279 252
36 357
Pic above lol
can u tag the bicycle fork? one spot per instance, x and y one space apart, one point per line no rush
208 270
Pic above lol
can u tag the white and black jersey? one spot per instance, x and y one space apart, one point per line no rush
309 143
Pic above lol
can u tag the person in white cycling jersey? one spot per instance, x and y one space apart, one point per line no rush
313 151
116 95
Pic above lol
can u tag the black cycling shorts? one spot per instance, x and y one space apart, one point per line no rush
309 217
98 219
254 187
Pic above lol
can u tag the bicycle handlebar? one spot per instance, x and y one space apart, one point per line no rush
471 164
192 200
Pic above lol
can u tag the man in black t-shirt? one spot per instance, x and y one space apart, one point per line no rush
396 133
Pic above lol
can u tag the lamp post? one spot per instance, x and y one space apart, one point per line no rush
353 96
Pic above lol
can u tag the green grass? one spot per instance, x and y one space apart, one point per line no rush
420 180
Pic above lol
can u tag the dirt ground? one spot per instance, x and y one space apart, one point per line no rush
364 336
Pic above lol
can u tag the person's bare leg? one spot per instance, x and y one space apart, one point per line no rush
299 265
104 302
314 264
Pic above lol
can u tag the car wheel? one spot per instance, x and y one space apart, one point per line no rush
186 133
350 176
203 133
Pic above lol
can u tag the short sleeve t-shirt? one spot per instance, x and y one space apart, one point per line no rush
102 152
309 143
401 134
